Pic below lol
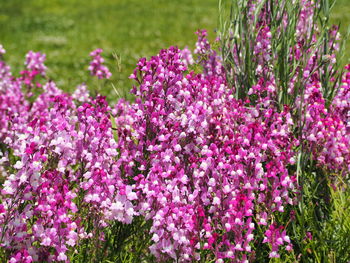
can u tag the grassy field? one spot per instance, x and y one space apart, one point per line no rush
67 30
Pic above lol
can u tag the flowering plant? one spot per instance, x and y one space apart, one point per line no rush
214 166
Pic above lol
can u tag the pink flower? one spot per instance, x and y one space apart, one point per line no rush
96 65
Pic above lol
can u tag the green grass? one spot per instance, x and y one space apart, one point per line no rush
67 30
340 15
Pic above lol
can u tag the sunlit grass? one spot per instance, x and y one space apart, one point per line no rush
67 30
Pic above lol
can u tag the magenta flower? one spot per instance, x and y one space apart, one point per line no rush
96 65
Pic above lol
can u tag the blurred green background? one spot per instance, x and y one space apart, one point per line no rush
67 30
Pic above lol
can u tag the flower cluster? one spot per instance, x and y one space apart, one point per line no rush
65 172
207 57
96 65
35 62
326 131
2 50
212 170
202 161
